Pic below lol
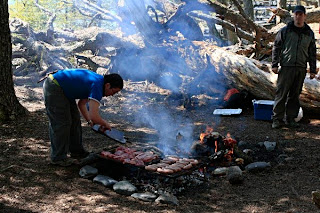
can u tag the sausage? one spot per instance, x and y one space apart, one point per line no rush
160 170
167 171
183 163
168 160
151 168
195 162
160 165
189 166
175 158
175 168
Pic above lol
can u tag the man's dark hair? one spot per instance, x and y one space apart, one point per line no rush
115 80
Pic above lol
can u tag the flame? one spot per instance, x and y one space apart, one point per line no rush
208 131
229 142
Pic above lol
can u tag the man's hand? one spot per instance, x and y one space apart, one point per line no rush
95 116
105 127
312 75
275 70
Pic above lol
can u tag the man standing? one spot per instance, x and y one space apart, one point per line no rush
294 46
60 93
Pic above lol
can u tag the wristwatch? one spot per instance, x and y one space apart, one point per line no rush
89 122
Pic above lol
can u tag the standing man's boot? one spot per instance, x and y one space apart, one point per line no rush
276 124
291 123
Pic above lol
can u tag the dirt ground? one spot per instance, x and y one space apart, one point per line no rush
28 183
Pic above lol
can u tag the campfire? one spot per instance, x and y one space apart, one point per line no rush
150 170
211 148
214 146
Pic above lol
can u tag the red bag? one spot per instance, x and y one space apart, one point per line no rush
230 92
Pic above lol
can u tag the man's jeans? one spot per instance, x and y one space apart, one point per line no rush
289 86
64 122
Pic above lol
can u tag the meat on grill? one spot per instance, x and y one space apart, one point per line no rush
130 156
171 165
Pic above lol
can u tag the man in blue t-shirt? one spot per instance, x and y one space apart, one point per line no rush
60 93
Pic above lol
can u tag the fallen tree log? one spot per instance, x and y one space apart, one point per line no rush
256 77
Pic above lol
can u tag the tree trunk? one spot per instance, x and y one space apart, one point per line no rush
248 8
10 107
146 26
282 4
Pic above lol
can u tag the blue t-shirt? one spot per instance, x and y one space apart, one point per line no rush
80 84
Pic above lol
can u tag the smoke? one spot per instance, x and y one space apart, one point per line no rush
175 131
166 45
163 60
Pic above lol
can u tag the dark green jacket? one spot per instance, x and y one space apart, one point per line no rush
294 47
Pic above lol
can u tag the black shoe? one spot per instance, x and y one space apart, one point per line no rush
80 155
276 124
292 123
64 162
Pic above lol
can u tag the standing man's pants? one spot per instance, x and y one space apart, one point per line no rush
64 122
289 86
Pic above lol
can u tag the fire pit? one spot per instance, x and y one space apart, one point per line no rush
214 148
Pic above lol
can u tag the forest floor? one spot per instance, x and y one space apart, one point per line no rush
28 183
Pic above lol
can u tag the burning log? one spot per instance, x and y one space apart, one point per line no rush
214 146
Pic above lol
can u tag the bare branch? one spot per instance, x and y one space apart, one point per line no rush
52 16
241 33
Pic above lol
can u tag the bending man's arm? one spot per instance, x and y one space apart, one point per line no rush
93 113
83 109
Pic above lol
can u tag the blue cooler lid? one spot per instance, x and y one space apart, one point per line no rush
263 102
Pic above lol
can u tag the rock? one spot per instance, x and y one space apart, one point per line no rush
147 196
124 188
270 146
220 171
257 166
88 172
282 158
167 199
105 180
316 198
234 175
242 144
239 161
288 159
248 151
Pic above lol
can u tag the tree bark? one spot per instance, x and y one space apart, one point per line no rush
282 4
10 108
248 8
149 29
